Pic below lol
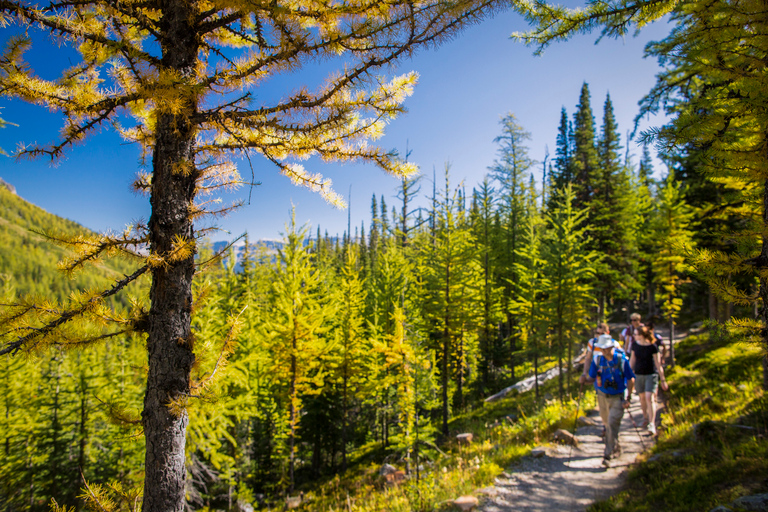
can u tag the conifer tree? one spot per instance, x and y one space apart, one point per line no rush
352 348
453 283
491 351
673 233
532 286
715 97
645 171
569 270
612 215
562 173
585 160
511 172
297 322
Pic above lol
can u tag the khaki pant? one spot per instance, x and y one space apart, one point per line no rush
611 412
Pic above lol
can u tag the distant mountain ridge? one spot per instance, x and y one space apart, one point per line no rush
7 185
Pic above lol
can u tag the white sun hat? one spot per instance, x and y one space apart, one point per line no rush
604 341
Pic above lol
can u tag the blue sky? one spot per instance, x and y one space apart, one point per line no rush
465 87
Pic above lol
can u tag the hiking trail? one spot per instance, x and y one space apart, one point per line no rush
555 482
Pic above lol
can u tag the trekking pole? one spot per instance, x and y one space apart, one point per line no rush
576 419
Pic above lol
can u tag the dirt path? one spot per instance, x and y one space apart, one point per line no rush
565 479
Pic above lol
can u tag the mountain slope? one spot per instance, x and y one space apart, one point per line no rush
28 261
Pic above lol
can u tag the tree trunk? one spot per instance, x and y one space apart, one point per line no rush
292 418
444 383
764 288
169 342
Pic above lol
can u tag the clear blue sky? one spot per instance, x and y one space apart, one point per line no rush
465 87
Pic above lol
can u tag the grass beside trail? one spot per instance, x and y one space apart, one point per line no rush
714 449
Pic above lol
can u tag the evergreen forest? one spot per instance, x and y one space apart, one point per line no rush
331 354
151 370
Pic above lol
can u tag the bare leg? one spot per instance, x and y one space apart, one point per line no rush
644 406
650 399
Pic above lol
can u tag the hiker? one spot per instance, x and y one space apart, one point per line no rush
602 328
645 361
613 376
627 336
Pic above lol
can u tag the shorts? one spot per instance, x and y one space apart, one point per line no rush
647 383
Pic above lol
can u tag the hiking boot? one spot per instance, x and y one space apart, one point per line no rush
652 429
645 423
616 451
607 461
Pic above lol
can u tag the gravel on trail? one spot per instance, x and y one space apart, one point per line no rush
569 479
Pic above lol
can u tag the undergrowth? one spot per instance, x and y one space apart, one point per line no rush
503 431
714 447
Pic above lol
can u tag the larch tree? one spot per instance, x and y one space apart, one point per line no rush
491 348
297 324
351 351
178 78
569 270
672 228
511 171
452 278
532 286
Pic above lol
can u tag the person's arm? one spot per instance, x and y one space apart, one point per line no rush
630 388
587 361
632 360
660 369
629 376
592 370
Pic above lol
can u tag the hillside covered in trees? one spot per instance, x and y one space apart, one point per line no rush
219 388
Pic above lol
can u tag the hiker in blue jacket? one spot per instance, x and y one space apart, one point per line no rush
613 377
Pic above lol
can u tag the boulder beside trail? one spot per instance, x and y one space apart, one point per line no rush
386 469
466 502
754 503
464 438
565 437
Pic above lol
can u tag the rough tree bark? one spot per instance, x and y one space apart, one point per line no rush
169 342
